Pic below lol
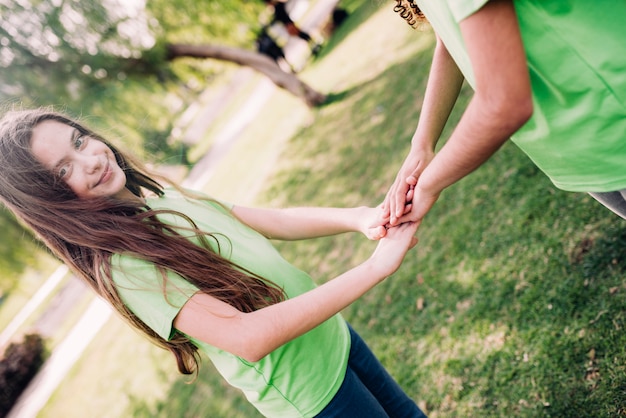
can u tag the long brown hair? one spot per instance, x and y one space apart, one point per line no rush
85 233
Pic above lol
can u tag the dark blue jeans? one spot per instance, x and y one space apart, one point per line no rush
368 391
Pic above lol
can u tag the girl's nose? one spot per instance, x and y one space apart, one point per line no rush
91 163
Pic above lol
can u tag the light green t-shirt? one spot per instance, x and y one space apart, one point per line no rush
298 379
577 65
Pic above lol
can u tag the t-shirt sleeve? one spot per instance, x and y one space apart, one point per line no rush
464 8
205 199
145 292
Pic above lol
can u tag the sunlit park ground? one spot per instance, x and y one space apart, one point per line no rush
511 305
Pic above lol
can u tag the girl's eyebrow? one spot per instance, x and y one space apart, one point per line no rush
75 132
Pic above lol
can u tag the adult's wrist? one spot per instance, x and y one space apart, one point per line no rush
426 186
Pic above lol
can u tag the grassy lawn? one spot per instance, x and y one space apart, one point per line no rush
511 305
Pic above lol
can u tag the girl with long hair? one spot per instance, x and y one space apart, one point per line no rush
197 275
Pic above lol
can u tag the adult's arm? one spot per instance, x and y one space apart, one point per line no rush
501 103
254 335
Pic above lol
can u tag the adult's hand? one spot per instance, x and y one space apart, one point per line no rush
422 202
400 195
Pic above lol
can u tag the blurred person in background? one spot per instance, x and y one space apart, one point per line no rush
281 15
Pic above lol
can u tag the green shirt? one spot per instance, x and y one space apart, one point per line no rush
577 66
296 380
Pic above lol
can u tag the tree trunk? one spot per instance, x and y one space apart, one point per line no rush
259 62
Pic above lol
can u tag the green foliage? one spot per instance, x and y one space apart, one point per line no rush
232 23
217 22
14 258
66 47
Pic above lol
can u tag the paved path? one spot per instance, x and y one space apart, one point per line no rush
95 317
32 305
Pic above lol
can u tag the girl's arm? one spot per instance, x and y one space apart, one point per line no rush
309 222
501 104
254 335
442 90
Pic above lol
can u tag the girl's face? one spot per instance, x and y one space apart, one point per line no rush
85 164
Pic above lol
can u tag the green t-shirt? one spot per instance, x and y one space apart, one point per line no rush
296 380
577 66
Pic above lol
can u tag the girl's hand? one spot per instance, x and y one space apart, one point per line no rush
391 249
373 223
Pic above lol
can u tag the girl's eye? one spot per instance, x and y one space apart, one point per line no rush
79 141
63 171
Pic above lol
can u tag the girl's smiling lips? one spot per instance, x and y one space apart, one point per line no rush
106 175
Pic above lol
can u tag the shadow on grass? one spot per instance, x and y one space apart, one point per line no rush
334 97
207 396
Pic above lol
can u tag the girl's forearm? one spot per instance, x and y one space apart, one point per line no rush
254 335
444 84
301 223
287 320
280 323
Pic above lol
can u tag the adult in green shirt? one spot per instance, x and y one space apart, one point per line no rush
550 75
196 275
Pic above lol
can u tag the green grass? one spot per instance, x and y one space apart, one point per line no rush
512 304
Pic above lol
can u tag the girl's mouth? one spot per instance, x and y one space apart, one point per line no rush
106 174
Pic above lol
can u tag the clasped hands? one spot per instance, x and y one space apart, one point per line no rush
406 201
